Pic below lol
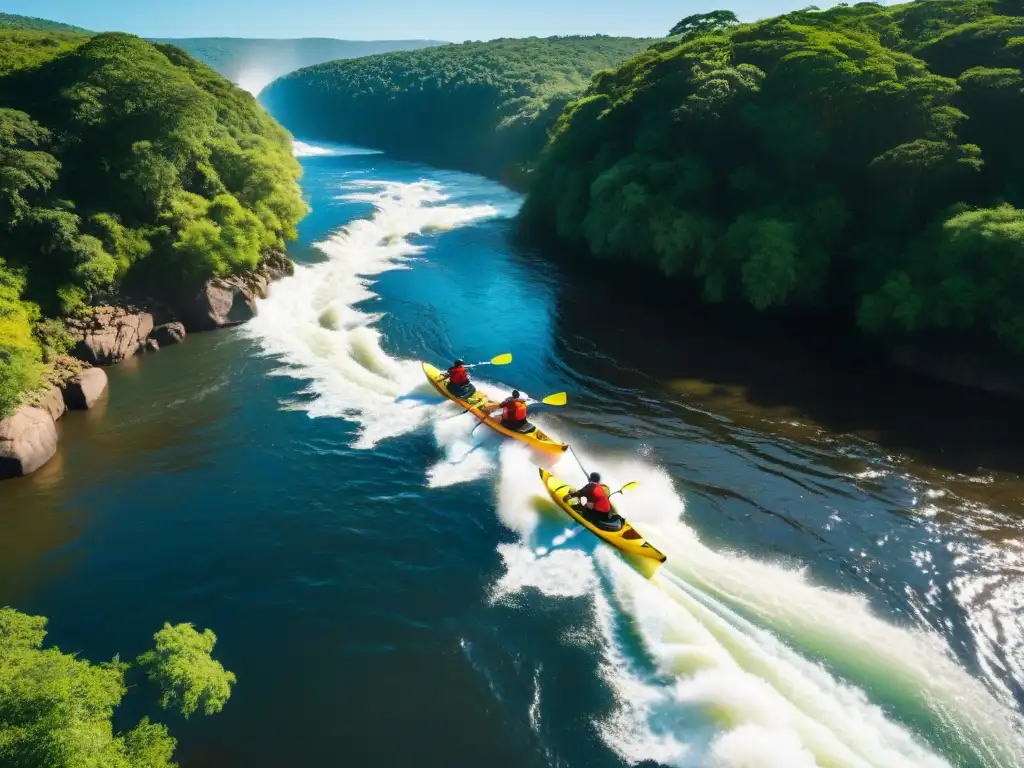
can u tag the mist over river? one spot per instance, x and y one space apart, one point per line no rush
845 575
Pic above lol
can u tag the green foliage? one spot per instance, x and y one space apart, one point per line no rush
21 367
56 709
482 107
181 665
962 274
125 165
704 23
13 21
862 160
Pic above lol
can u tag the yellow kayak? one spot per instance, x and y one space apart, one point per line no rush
625 539
480 405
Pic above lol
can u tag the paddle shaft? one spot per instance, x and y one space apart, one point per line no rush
582 468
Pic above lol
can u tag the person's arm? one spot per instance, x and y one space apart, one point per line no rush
576 494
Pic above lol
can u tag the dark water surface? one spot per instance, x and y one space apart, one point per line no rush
845 581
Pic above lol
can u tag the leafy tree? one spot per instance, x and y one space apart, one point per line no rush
181 665
56 709
20 356
704 23
861 161
125 166
13 21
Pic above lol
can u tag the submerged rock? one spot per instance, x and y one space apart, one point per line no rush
168 333
110 334
84 390
28 439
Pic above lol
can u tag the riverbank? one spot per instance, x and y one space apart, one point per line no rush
109 335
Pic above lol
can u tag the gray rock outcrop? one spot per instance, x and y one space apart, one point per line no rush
223 302
85 389
168 333
28 439
110 334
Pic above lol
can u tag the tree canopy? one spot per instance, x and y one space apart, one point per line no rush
125 166
704 23
56 708
13 21
481 107
863 160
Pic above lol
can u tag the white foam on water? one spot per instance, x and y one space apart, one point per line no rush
305 149
311 324
733 691
733 688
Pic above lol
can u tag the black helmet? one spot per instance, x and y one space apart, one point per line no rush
515 393
595 478
458 362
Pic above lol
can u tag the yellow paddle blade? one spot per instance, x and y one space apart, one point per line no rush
556 399
629 486
504 359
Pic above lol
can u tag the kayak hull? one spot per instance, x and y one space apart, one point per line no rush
480 405
626 539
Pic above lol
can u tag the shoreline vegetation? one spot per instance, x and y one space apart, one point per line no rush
58 707
858 165
479 107
142 196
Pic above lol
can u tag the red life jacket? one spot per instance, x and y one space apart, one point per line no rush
513 410
596 493
458 375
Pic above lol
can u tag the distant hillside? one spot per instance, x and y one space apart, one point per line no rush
253 63
479 107
13 21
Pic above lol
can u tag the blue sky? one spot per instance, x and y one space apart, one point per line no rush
454 20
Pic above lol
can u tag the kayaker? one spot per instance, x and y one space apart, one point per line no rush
458 380
596 495
513 411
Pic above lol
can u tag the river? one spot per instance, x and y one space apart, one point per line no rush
845 574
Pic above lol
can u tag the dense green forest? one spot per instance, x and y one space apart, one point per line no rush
482 107
56 708
248 60
124 167
11 21
864 161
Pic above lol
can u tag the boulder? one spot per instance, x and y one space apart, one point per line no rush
110 334
51 400
168 333
152 345
84 390
259 284
275 265
223 302
28 439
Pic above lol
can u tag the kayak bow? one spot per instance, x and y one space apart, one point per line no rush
480 405
626 539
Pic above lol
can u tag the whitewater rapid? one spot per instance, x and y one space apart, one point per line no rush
745 664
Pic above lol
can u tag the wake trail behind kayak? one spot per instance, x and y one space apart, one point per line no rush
752 662
749 649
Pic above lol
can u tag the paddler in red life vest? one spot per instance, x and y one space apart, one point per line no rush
597 498
458 380
513 412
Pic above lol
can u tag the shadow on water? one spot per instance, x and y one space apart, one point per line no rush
782 377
